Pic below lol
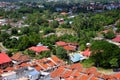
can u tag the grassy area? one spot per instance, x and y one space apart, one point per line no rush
87 63
105 71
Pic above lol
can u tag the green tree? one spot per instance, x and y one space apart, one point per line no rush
109 35
25 30
61 53
105 54
49 30
43 54
14 31
54 24
4 36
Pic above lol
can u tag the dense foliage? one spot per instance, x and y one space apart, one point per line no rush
105 54
43 27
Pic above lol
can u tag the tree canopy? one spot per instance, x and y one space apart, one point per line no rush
105 54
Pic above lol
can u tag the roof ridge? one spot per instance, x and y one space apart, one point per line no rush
65 70
74 72
79 76
40 65
92 75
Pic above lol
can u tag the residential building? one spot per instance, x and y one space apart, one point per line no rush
5 60
39 49
19 58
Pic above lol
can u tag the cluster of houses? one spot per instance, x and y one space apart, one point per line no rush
4 4
3 21
7 6
22 67
99 7
71 49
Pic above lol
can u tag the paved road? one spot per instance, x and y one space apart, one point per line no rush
2 47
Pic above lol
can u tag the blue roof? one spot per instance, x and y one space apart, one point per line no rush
76 57
39 44
34 72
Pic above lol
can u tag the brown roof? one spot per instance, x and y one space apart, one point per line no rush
9 69
70 48
20 57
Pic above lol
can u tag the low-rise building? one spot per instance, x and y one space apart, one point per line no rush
5 60
19 58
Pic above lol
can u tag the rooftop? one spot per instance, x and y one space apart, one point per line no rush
39 48
20 57
116 39
4 58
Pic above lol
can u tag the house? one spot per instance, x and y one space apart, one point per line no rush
68 46
60 43
8 76
86 53
64 13
5 61
44 76
39 49
77 72
28 72
3 22
116 39
24 72
19 58
48 64
76 57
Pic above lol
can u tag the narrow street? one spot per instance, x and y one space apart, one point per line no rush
2 48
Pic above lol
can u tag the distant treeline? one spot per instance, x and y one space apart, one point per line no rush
68 1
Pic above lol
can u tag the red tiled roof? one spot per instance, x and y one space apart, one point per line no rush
61 43
76 66
20 57
38 68
87 52
84 77
81 69
69 48
4 58
66 74
76 74
65 66
44 65
57 60
116 39
94 78
70 78
57 72
51 63
25 65
9 69
117 75
108 77
39 48
91 70
99 75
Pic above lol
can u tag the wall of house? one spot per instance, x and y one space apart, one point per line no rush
9 77
56 78
46 77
